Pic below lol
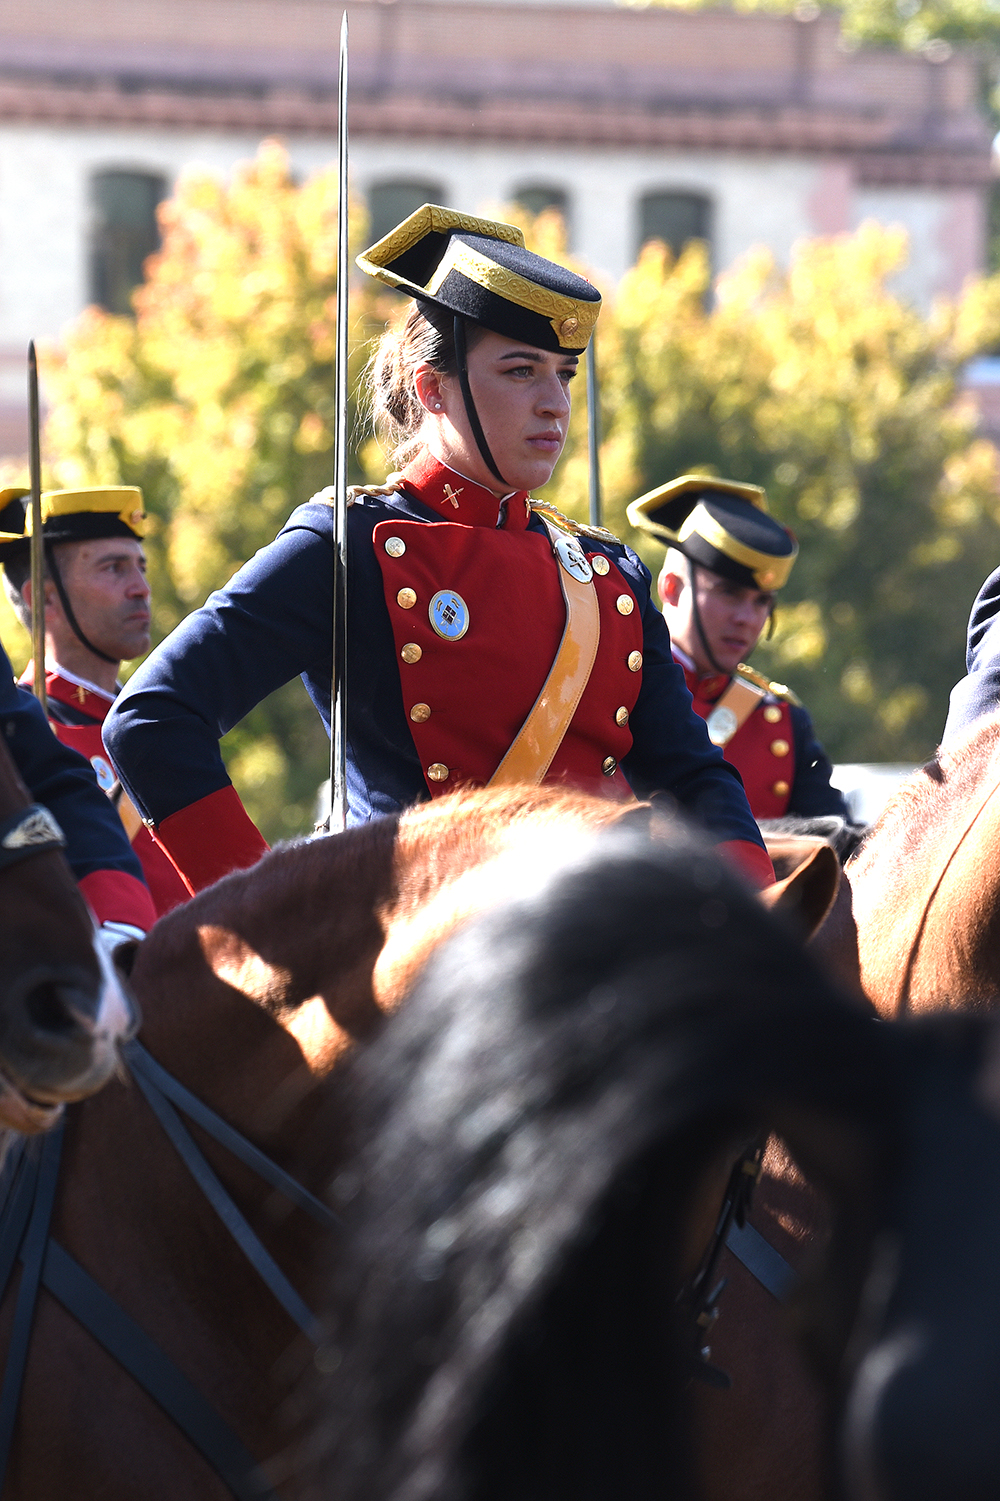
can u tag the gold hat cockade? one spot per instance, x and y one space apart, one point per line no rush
722 525
481 270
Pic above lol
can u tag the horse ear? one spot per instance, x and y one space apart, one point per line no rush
809 892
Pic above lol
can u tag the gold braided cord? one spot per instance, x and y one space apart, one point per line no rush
575 528
572 318
780 690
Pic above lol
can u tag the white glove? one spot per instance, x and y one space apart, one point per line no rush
114 935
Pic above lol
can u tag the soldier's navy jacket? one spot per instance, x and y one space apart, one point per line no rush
775 750
425 712
100 856
978 693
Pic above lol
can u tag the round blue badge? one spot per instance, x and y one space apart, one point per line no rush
449 614
105 776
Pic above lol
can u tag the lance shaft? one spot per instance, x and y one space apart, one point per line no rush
37 537
594 432
338 687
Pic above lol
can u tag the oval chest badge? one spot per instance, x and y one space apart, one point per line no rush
449 614
105 776
573 558
722 725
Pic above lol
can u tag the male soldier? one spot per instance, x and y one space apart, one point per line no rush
726 558
96 614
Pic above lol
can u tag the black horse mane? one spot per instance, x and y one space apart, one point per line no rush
530 1127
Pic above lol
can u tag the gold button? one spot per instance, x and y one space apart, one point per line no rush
625 604
437 772
780 789
621 718
600 564
772 714
568 326
609 766
406 599
779 747
635 661
411 652
420 713
395 546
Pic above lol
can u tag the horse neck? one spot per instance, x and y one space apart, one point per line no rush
927 894
14 795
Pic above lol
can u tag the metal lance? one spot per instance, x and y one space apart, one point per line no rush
594 432
338 687
37 538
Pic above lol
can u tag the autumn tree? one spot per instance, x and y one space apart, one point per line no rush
844 403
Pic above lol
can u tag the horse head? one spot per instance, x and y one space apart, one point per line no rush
63 1009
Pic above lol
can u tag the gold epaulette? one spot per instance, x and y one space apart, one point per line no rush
328 495
575 528
780 690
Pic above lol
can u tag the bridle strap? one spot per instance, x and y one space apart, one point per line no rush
31 831
144 1066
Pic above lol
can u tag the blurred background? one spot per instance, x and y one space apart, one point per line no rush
791 213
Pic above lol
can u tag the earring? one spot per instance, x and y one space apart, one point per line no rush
437 406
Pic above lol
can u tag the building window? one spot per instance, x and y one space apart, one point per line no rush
389 203
537 197
674 218
125 232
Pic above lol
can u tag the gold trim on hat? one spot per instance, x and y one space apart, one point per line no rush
572 319
124 500
430 218
768 571
638 511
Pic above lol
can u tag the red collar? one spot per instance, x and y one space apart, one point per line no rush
462 500
708 687
74 694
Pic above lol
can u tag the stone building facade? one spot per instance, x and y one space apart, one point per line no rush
742 129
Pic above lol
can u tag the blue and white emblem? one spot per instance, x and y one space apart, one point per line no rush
105 776
449 614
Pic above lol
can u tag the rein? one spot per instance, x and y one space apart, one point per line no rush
906 974
28 1184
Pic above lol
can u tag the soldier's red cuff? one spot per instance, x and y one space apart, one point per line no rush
115 896
750 860
210 838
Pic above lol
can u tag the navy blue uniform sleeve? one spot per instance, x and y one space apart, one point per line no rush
270 624
671 750
978 693
813 796
64 782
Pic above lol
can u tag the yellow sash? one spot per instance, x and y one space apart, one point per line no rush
530 754
733 710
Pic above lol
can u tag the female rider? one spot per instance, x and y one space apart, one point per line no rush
489 640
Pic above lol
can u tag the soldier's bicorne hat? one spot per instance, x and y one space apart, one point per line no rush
480 271
86 515
722 525
70 516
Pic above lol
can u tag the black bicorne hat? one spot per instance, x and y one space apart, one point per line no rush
70 516
480 270
722 525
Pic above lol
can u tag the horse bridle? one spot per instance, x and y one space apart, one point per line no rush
30 1175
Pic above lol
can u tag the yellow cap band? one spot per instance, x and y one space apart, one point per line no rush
124 501
770 572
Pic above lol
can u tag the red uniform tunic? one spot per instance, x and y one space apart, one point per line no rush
88 710
762 749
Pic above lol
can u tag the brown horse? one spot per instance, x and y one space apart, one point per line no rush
62 1007
916 926
250 993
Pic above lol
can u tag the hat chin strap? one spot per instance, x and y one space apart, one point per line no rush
462 355
74 624
696 617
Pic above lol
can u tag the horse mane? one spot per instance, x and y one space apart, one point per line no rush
528 1129
922 810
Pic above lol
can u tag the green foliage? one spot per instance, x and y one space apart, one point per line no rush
843 403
